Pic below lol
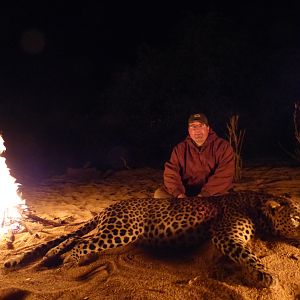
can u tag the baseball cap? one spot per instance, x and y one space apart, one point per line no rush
198 118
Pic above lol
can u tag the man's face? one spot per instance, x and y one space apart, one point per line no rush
198 132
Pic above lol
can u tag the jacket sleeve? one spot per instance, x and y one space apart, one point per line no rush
221 181
172 174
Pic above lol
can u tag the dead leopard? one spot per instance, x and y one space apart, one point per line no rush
230 221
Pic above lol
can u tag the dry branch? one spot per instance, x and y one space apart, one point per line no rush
296 119
36 218
236 139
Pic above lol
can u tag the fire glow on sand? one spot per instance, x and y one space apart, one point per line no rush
11 202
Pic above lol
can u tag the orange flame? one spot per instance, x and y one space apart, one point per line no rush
11 201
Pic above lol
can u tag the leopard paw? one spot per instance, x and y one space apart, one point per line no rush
263 279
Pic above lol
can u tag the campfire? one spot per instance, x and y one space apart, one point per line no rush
11 203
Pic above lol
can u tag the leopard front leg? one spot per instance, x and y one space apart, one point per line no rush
231 239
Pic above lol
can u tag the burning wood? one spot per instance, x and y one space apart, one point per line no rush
11 201
10 238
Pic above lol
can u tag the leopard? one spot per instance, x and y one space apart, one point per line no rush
229 221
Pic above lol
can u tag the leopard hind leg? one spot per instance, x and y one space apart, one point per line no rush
87 248
54 253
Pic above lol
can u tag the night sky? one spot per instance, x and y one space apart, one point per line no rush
93 82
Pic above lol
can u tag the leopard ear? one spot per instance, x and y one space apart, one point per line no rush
272 206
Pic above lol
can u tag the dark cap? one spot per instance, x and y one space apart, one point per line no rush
198 118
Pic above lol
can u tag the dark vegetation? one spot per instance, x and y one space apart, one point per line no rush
211 63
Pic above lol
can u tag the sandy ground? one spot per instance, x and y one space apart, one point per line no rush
136 273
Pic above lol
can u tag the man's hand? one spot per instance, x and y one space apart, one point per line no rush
204 194
181 196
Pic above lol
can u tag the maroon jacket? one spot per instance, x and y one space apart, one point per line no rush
208 169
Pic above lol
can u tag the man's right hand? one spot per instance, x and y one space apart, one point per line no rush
181 196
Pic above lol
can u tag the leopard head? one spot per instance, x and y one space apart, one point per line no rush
284 216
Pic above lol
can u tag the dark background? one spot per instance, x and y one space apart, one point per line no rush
103 83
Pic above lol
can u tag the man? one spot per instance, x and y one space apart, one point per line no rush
201 165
